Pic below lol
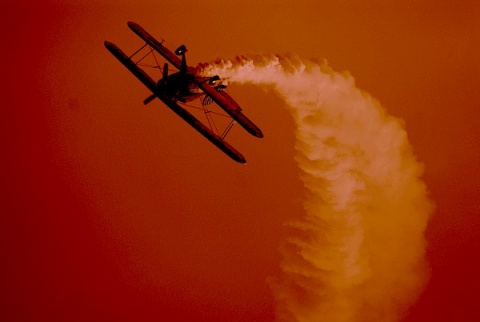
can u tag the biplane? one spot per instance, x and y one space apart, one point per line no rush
178 88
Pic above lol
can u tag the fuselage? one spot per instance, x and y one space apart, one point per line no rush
179 86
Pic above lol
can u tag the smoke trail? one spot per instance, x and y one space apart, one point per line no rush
358 252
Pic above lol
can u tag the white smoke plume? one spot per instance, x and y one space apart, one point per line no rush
358 251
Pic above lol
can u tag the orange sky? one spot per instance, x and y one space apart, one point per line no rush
116 211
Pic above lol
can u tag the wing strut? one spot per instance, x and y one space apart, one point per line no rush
232 123
138 51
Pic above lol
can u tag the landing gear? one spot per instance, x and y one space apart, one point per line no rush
181 50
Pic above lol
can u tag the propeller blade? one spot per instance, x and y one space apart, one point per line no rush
165 71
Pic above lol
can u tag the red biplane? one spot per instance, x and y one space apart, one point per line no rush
178 88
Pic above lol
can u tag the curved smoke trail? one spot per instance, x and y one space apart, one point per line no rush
358 252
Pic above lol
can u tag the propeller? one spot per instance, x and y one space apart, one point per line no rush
165 72
162 82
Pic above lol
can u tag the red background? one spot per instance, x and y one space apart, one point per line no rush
116 211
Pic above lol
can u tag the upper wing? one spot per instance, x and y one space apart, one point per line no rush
228 104
155 44
131 66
